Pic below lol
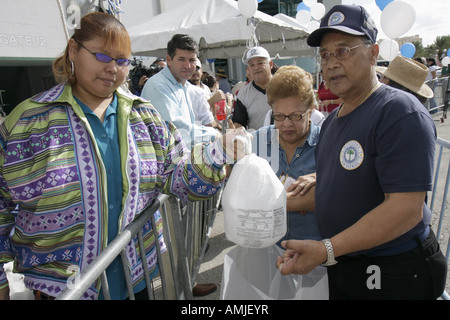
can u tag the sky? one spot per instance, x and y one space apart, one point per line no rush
432 18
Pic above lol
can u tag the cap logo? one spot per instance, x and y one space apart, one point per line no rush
336 18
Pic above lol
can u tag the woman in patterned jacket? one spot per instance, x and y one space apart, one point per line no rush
83 159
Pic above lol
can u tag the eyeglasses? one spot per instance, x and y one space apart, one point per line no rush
121 62
296 116
340 53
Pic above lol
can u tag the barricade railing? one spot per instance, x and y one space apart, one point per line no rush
440 87
186 232
441 193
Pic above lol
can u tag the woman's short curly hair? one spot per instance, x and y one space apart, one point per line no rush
291 81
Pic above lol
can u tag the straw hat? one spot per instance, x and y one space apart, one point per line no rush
409 73
221 73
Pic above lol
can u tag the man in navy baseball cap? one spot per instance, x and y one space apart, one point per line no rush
351 19
371 180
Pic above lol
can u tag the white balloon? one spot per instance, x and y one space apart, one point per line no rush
303 17
309 3
248 7
397 18
446 61
389 49
317 11
312 25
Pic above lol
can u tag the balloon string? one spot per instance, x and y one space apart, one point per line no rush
254 39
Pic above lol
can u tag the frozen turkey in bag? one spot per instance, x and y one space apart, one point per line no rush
254 204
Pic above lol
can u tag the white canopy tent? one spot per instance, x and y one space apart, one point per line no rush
36 32
221 31
32 32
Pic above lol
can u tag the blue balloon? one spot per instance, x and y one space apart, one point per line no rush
407 50
302 6
259 1
448 52
382 3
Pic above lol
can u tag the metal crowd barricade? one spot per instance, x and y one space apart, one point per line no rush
186 234
438 193
440 87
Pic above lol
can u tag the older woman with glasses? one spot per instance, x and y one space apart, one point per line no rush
80 161
289 145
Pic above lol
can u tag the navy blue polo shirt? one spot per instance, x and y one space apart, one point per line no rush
386 145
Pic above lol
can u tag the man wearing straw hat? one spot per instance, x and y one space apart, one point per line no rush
408 75
375 160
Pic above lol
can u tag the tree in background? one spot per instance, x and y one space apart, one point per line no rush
438 49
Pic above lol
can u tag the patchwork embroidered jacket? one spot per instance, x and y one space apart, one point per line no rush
53 193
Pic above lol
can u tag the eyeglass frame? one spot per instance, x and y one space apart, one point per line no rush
117 60
335 53
289 116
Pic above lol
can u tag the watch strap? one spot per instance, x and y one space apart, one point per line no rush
330 253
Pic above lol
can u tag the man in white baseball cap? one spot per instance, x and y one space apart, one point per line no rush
256 52
251 104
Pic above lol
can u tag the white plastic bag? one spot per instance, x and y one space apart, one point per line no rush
254 204
251 274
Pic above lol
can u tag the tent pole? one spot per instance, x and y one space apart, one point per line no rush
61 11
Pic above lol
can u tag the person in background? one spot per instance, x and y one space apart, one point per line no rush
375 159
168 90
211 91
418 59
328 101
432 75
222 79
432 69
251 105
72 168
407 75
200 95
196 79
160 62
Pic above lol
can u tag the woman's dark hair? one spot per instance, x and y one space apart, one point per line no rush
432 60
182 42
210 80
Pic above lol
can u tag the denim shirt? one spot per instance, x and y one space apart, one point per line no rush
265 144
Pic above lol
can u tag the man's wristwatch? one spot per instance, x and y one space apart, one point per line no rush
330 253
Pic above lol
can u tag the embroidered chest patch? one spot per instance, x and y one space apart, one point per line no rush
352 155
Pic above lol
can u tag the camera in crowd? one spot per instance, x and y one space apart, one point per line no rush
151 70
140 70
